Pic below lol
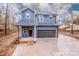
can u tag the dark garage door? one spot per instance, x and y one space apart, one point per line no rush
45 33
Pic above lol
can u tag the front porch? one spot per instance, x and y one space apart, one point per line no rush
27 33
29 41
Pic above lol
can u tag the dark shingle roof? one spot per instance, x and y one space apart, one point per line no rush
25 23
41 12
46 13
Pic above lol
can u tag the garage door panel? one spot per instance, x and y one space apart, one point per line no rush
45 33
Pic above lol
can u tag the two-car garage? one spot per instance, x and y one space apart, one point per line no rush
46 32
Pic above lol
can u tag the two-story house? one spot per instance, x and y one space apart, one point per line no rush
40 24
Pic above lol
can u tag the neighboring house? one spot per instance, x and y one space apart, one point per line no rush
38 24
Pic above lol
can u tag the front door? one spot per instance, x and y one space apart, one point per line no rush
30 31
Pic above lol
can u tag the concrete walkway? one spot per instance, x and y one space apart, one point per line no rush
64 45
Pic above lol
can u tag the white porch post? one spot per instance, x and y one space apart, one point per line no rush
35 34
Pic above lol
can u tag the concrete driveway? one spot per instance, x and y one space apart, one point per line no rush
63 46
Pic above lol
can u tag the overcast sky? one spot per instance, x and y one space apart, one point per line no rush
60 8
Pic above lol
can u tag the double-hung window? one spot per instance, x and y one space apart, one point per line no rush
41 18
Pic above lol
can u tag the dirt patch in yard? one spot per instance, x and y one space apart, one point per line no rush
7 44
74 34
8 50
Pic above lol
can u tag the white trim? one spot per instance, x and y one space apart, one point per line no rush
27 8
35 33
41 18
56 34
34 15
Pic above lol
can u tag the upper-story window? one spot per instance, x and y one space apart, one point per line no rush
37 17
54 17
28 16
41 18
50 16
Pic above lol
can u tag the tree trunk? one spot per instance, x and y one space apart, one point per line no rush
72 28
6 20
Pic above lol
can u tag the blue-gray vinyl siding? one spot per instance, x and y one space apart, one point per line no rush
46 20
31 14
47 28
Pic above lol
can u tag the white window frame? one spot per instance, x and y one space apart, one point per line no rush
41 18
37 17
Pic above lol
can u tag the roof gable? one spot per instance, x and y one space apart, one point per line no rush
40 12
27 9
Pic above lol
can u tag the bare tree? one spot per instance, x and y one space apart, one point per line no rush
70 10
76 21
6 20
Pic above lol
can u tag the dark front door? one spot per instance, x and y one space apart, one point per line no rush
30 32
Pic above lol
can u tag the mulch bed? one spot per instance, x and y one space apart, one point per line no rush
74 34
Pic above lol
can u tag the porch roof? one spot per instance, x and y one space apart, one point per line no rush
25 23
47 24
46 13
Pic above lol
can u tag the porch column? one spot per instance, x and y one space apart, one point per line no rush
18 32
35 33
18 35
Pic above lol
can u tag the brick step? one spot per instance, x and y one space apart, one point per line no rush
29 43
